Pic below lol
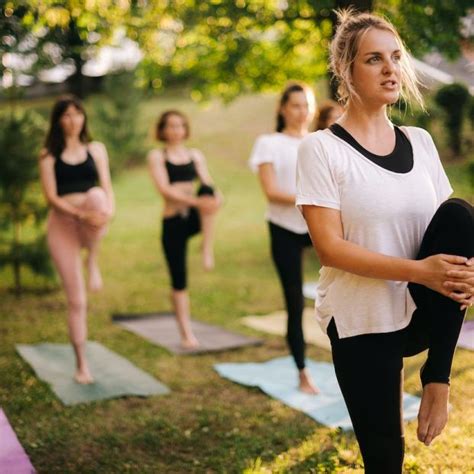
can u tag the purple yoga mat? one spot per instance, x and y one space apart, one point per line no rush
13 459
466 338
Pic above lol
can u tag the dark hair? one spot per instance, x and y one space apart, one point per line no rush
163 121
325 111
285 97
55 142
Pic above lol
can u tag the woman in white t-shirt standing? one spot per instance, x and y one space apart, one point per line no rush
274 158
398 271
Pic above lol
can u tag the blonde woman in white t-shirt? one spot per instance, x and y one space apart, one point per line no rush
398 272
274 158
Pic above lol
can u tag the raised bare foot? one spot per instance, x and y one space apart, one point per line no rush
95 282
208 260
190 343
433 414
83 377
306 383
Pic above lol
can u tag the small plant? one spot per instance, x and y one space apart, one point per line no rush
454 100
21 208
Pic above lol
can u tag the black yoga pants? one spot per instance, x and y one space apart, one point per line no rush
369 367
287 252
176 231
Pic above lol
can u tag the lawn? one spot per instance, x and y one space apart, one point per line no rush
206 424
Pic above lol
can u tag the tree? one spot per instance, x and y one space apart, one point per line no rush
20 206
59 33
226 47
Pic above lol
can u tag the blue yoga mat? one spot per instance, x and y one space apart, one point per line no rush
277 378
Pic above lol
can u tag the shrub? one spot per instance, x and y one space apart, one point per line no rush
21 206
453 99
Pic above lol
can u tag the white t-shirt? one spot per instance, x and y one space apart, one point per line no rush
281 150
382 211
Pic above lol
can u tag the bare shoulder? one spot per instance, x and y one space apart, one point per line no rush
155 156
98 150
45 157
197 155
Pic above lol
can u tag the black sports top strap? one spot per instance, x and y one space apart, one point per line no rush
180 173
400 160
77 178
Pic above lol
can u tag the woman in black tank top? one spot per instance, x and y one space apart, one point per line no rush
76 182
174 171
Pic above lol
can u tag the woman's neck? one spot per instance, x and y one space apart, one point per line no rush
72 142
175 147
295 131
364 120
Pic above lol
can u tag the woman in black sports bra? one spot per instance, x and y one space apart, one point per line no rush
76 182
174 170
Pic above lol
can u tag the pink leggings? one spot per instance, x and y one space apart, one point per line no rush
66 237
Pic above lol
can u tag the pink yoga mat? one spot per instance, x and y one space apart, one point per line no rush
13 459
466 338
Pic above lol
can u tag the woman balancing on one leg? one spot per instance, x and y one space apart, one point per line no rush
174 170
397 270
274 157
76 182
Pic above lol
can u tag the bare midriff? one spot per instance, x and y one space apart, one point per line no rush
75 199
173 208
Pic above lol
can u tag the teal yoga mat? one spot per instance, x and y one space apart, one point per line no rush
114 375
277 378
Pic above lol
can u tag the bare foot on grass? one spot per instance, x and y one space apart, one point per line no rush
433 414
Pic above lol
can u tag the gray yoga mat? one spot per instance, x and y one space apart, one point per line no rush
114 375
161 329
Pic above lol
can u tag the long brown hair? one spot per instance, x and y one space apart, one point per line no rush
284 98
55 142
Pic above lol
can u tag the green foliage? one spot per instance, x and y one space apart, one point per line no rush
20 206
116 120
470 111
224 47
428 25
453 99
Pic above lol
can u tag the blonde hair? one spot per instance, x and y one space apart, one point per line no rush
343 51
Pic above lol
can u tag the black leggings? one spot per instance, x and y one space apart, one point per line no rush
369 367
174 238
287 253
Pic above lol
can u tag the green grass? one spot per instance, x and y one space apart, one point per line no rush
206 424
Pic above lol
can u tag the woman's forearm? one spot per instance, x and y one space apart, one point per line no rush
279 197
176 195
64 206
353 258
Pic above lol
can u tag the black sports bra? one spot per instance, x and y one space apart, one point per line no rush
400 160
77 178
180 173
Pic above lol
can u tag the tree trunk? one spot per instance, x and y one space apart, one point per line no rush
76 81
16 258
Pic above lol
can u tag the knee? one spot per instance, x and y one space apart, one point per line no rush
458 211
77 306
96 198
